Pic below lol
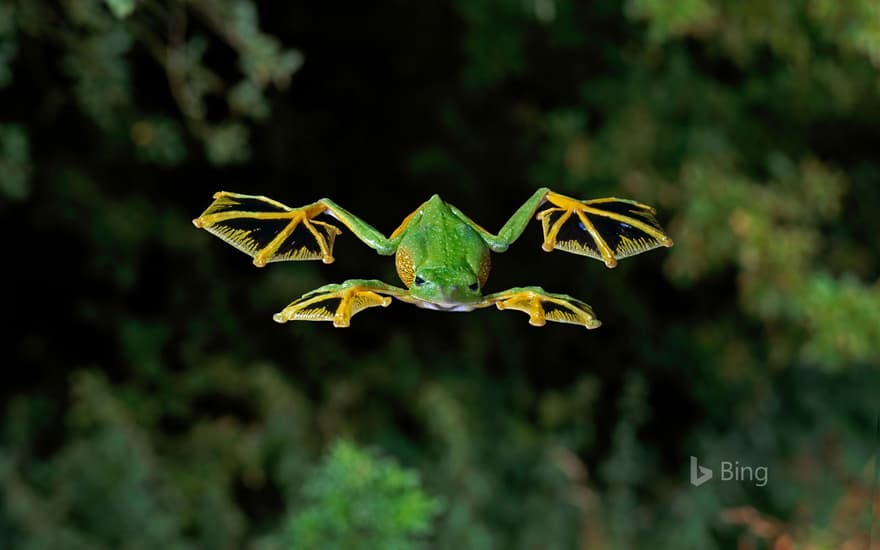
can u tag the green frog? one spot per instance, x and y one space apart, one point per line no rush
443 258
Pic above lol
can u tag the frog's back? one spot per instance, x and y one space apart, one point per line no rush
437 237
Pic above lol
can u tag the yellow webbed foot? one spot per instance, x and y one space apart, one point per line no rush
606 229
337 303
542 306
268 230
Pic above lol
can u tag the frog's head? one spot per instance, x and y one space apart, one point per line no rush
446 286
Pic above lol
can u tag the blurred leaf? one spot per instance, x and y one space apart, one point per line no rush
121 8
159 140
670 18
227 144
247 99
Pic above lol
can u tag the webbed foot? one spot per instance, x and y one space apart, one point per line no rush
338 302
606 229
268 230
542 306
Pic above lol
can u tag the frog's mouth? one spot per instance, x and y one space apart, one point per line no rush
445 306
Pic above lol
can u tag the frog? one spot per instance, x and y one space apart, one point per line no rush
442 257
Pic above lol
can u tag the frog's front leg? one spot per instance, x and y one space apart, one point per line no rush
340 302
543 306
606 229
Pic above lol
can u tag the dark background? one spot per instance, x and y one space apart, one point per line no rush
149 400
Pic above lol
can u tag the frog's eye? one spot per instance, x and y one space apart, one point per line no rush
419 281
474 286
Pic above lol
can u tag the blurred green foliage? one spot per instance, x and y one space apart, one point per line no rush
354 498
150 401
97 40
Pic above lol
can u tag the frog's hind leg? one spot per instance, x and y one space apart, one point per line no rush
340 302
542 306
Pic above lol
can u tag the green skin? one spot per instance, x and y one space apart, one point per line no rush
441 253
446 252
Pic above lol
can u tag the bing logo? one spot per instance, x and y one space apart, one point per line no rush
729 471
